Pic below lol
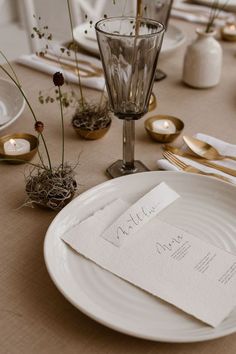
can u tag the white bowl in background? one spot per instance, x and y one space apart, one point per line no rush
12 103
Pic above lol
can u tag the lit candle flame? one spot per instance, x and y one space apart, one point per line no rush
232 27
12 141
166 125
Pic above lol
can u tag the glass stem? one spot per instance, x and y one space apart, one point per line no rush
128 144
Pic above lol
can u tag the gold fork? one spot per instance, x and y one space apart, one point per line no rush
187 168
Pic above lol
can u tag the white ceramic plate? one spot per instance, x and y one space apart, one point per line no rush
207 210
173 38
12 103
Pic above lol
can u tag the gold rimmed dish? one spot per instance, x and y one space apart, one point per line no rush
19 158
165 135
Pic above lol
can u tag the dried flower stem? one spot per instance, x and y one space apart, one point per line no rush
10 66
75 51
40 157
62 127
46 149
31 109
214 13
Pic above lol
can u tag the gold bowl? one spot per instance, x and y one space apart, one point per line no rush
162 137
92 134
17 159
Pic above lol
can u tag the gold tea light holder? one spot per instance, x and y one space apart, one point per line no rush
30 141
164 128
228 32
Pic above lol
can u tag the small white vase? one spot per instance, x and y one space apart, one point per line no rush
203 61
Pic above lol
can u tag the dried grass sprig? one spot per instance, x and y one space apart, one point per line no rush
75 52
214 13
92 117
52 189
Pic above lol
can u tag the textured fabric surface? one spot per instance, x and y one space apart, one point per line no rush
34 316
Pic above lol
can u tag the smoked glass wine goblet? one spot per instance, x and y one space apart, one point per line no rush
129 49
158 10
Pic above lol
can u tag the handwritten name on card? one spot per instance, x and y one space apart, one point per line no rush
140 213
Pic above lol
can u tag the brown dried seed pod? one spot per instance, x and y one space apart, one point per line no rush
58 79
39 126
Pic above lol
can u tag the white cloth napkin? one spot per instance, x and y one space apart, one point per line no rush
223 148
198 13
37 63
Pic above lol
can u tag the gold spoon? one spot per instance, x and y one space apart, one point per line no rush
204 149
201 160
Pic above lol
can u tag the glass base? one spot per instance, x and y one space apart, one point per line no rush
117 169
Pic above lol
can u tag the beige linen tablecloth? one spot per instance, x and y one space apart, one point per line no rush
34 316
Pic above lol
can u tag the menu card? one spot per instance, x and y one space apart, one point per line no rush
178 267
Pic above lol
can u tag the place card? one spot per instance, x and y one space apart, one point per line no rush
166 261
140 213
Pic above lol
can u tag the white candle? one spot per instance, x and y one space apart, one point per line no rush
163 126
16 147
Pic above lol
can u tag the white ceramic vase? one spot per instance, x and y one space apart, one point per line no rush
203 61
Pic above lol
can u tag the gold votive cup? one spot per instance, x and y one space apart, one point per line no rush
230 37
22 158
162 137
92 134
